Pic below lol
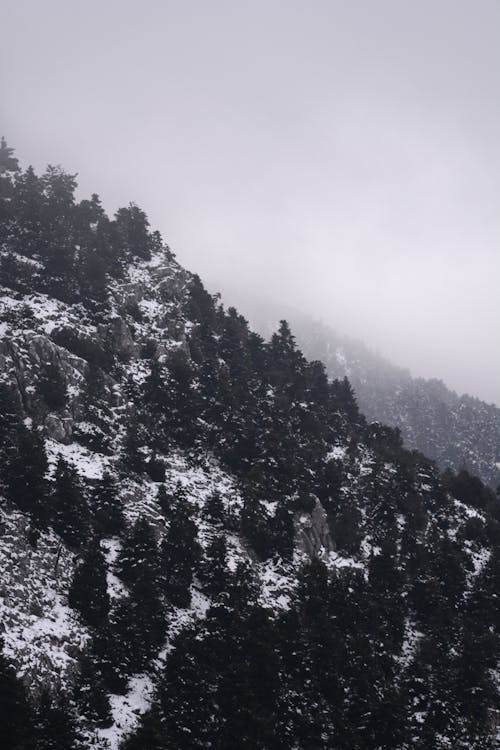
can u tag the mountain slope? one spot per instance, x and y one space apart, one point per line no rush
204 543
457 431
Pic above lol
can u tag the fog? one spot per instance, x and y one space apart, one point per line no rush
339 156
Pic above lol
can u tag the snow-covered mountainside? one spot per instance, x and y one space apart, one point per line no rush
203 543
456 431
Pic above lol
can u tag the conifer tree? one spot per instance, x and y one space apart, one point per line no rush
88 592
213 568
180 554
70 513
165 500
132 227
254 525
133 457
138 558
55 723
24 472
150 733
16 721
141 619
90 693
108 517
213 510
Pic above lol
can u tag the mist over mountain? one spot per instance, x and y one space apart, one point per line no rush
203 541
457 431
343 157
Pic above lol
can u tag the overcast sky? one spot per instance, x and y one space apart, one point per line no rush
341 156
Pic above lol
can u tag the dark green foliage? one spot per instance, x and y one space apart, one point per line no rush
213 510
138 558
70 512
347 529
16 721
165 500
88 592
107 514
283 530
221 684
54 723
150 734
24 474
213 571
180 553
133 457
155 469
391 650
255 526
132 230
90 694
139 620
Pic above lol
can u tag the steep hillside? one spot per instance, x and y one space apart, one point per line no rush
203 542
456 431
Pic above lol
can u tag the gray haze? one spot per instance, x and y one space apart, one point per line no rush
342 157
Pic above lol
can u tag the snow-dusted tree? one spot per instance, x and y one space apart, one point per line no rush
88 591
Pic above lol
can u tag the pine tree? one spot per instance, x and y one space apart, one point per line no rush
165 500
108 517
88 592
90 693
138 558
8 162
180 554
213 510
213 568
150 733
9 166
142 615
55 723
254 525
133 457
70 511
283 530
24 472
132 227
16 721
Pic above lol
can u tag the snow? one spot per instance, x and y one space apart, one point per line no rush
337 452
42 634
88 464
111 549
125 710
277 585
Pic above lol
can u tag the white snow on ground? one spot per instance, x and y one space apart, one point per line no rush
479 558
42 635
111 549
337 452
412 637
126 709
335 560
277 585
88 464
467 510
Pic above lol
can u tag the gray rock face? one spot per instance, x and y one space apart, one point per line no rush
116 336
313 532
147 309
59 428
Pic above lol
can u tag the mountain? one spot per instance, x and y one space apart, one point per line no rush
456 431
203 542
